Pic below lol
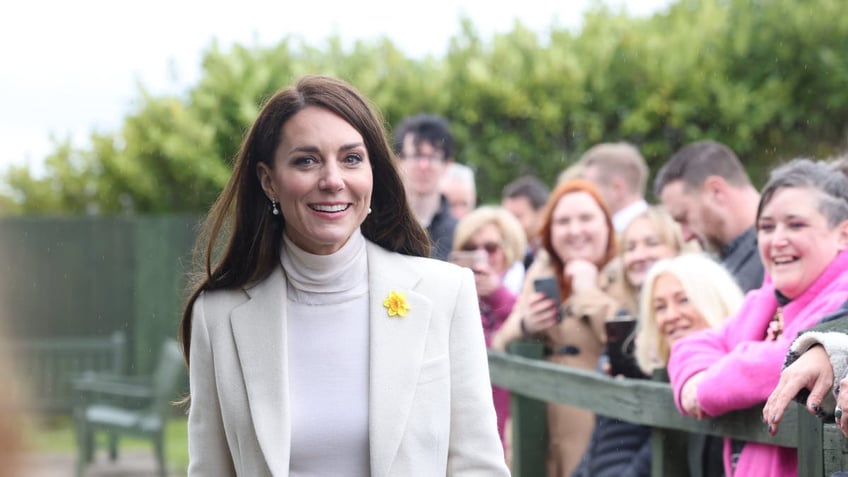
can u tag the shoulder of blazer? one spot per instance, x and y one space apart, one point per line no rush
218 304
426 267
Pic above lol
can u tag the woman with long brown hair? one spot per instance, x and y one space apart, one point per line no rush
321 341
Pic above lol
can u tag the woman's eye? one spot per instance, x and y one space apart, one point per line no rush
353 159
305 161
659 307
796 225
765 227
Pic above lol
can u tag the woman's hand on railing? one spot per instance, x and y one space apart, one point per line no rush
689 397
812 370
842 403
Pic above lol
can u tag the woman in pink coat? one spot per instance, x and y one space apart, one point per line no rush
802 233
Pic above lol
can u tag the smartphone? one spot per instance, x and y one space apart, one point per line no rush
550 288
470 259
621 346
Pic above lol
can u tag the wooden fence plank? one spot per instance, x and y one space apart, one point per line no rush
822 447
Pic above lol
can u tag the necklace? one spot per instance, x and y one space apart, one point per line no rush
775 328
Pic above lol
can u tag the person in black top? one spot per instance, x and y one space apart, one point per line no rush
425 148
707 191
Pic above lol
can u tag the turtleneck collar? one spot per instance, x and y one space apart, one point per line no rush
324 279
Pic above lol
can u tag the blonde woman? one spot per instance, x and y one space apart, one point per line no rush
489 240
680 296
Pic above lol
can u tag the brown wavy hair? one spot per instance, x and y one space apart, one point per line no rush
241 214
563 189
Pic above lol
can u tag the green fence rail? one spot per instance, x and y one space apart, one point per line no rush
822 448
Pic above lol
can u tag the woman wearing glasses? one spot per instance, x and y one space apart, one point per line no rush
489 240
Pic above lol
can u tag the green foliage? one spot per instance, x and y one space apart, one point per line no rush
765 77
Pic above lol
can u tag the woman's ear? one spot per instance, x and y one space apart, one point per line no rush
263 173
842 230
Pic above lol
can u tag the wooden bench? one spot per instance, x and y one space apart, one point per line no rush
120 405
49 365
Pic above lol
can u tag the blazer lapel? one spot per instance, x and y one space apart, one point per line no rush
396 353
259 330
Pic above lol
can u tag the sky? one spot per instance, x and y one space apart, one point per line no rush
68 68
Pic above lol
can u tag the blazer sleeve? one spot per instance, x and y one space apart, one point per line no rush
475 448
208 453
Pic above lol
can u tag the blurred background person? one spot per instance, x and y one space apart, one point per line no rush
681 296
489 240
525 198
459 188
11 417
620 448
424 147
621 174
578 241
706 189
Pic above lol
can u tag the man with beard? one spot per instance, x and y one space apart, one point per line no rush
707 191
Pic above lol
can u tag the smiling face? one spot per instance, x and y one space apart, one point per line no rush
642 246
675 315
489 239
578 228
321 177
795 240
423 166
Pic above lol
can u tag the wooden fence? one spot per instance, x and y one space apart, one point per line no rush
533 381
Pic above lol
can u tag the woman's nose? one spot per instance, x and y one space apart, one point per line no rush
331 178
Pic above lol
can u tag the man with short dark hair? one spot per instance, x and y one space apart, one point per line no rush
425 147
706 190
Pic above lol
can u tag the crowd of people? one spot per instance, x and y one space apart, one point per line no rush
677 273
327 335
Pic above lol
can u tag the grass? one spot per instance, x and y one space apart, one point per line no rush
56 435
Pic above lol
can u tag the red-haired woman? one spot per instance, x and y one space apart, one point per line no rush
579 241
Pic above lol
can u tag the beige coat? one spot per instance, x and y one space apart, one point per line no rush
582 328
430 400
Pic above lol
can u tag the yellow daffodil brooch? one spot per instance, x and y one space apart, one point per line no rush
396 305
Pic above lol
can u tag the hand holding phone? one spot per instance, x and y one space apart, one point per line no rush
621 346
550 288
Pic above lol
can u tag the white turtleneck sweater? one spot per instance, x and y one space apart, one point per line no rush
327 314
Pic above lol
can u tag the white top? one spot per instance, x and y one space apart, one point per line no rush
513 279
327 313
622 218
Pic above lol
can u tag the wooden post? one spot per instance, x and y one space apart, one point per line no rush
529 422
669 448
810 452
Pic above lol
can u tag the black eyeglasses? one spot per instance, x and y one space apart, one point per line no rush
435 158
489 247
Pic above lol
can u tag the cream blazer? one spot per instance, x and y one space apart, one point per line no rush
430 399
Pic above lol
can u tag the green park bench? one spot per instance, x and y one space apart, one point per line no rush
128 405
48 365
822 449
